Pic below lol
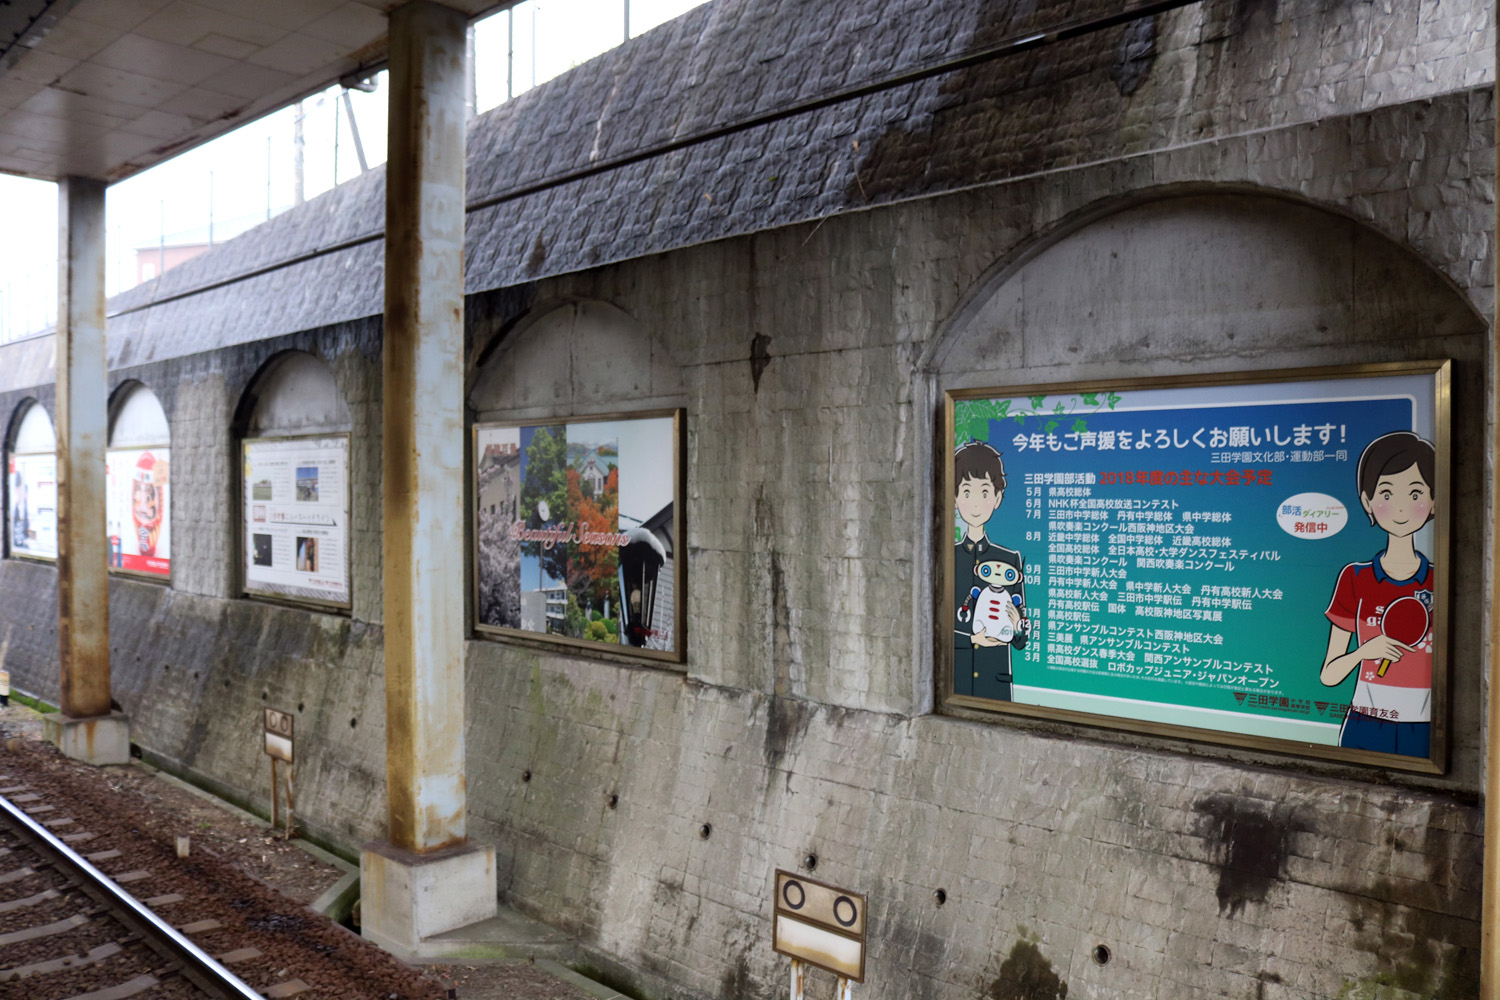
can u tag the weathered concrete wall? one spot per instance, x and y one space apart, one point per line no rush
812 360
1352 226
191 661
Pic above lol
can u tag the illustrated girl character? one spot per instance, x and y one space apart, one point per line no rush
148 482
1391 708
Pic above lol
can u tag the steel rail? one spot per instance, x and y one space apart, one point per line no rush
197 964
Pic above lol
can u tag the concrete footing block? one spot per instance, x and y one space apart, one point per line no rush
407 897
104 739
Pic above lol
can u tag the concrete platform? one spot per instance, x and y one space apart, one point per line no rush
507 935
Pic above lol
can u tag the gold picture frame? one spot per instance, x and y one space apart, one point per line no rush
1125 714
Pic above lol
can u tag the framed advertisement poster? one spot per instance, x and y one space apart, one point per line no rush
296 519
576 524
32 491
1257 560
137 511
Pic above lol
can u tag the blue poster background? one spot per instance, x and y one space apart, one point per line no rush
1159 579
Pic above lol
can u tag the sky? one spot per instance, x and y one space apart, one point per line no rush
242 178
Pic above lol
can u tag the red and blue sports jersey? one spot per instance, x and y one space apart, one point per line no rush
1360 598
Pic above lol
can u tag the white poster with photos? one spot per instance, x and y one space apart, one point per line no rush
296 505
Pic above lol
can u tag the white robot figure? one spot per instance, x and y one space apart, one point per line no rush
987 604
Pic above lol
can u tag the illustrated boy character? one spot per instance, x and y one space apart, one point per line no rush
1391 708
981 657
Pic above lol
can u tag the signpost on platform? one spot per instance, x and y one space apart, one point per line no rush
279 748
819 924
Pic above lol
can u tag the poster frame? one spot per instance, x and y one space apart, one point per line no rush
244 572
678 654
11 552
132 574
1440 371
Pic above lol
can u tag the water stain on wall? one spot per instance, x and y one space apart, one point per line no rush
736 979
1250 840
1027 975
760 357
1423 934
1134 56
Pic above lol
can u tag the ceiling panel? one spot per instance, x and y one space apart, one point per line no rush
121 15
106 88
161 60
79 39
185 23
39 67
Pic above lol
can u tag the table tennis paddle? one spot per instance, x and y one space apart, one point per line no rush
1405 620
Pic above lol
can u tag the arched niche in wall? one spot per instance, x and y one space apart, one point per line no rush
138 507
1202 282
578 437
31 484
294 426
1102 333
575 357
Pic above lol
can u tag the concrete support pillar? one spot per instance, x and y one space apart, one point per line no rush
85 728
427 879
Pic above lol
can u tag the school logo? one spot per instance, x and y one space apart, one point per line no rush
1425 596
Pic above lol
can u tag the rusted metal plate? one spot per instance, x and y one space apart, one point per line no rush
819 924
279 727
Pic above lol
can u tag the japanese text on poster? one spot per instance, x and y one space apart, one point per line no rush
1256 559
296 518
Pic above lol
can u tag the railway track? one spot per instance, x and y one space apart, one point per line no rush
67 935
67 929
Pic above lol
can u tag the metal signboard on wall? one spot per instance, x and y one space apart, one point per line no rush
1257 559
576 526
296 519
279 727
820 924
